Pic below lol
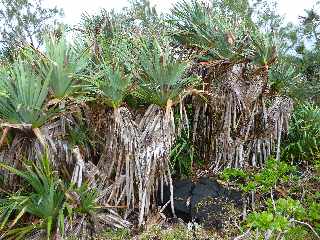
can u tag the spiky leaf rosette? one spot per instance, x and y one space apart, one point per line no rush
222 30
160 75
216 29
65 62
111 84
23 96
44 201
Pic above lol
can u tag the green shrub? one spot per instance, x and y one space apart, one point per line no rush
43 199
231 174
280 219
23 95
274 172
303 141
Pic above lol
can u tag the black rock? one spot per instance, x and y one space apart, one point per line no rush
182 196
203 189
206 202
182 190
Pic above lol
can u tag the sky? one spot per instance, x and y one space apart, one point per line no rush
73 8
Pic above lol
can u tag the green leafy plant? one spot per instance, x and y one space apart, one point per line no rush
88 200
43 199
231 174
314 211
183 156
65 63
45 203
274 172
219 32
263 48
79 135
282 218
288 207
267 220
111 77
304 134
23 96
161 75
111 84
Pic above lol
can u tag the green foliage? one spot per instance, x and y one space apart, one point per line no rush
288 207
218 29
104 25
273 173
231 174
267 220
118 51
285 217
304 134
111 84
44 200
183 156
64 65
314 211
278 218
223 30
161 75
129 55
88 200
23 95
306 55
263 47
282 77
79 135
111 75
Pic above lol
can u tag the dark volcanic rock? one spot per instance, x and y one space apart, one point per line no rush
181 195
182 190
203 189
205 202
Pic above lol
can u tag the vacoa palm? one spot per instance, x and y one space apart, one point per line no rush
162 84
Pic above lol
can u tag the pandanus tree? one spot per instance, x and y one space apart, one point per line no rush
34 91
67 63
161 84
23 111
47 207
110 83
64 65
234 127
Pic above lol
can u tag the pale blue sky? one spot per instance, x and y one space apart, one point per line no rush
73 8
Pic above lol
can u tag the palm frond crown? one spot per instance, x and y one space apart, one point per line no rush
66 63
23 95
161 75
